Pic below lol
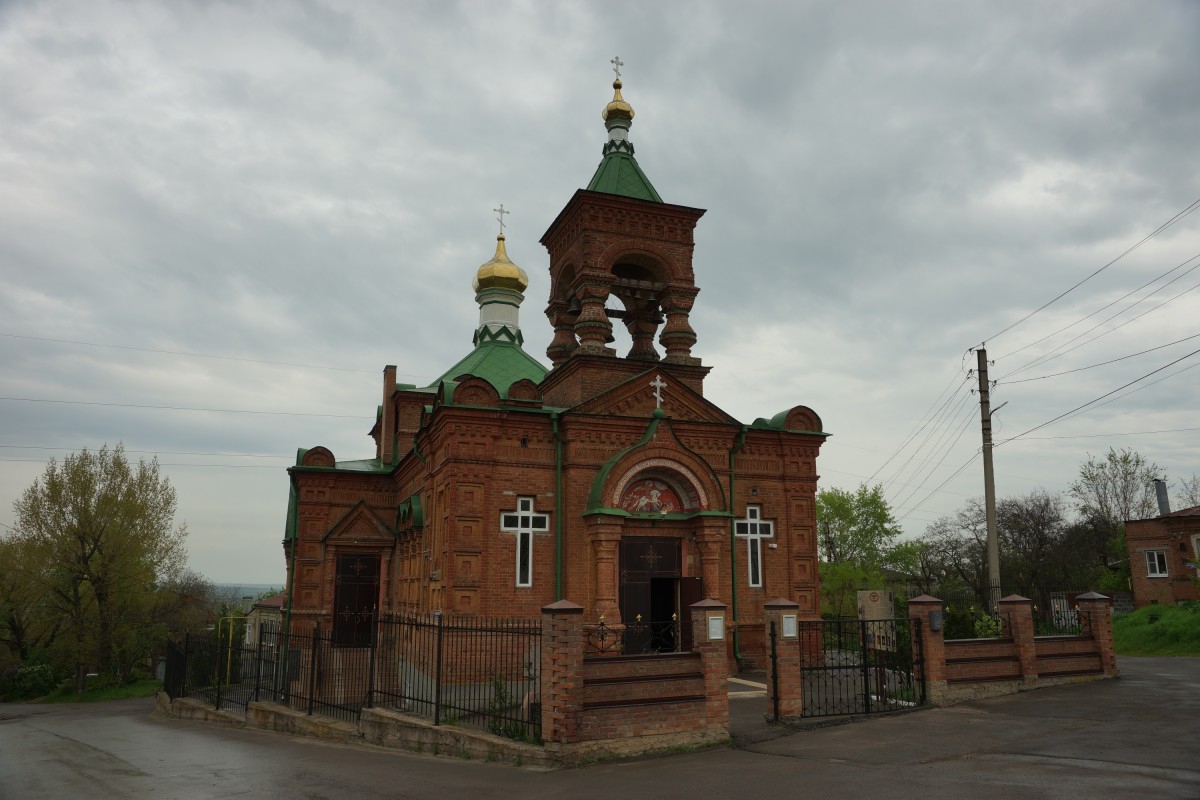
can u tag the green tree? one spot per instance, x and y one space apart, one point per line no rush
1116 488
956 548
856 533
101 538
855 527
1109 491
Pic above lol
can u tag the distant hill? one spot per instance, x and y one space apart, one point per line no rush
237 591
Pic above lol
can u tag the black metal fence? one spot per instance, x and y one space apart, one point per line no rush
858 666
220 668
471 671
973 612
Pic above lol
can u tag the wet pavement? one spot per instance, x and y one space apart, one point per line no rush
1133 737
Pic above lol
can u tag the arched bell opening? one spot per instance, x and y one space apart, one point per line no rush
639 282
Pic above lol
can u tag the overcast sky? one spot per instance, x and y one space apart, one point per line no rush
302 192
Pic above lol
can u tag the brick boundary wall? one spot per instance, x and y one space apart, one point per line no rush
604 706
971 669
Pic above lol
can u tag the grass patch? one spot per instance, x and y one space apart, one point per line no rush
1158 631
144 688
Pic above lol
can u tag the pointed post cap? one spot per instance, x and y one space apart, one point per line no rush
1093 596
563 607
780 603
1015 598
923 599
708 604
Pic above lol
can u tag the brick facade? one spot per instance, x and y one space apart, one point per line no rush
1173 542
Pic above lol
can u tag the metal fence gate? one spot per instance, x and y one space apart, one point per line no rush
859 666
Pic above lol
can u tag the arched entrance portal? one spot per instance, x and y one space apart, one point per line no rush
658 572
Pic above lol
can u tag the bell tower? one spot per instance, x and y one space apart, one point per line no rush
620 255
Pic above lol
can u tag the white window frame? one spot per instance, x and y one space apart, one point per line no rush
524 523
753 528
1156 564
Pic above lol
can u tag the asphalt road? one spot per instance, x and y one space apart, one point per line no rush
1137 737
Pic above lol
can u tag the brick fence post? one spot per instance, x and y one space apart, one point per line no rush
714 662
933 646
784 679
1017 613
1096 611
562 671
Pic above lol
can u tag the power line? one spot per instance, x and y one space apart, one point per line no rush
1098 399
179 408
939 430
1108 435
950 447
918 428
1150 282
1102 363
1195 203
953 475
1140 388
1053 354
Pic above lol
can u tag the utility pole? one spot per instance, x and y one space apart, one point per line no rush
989 483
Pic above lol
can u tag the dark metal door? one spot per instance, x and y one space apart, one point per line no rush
650 594
355 599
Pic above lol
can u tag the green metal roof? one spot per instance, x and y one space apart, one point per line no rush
619 173
499 363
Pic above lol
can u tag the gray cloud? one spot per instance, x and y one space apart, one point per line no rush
886 185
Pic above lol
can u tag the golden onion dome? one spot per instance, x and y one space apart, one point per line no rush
618 107
500 272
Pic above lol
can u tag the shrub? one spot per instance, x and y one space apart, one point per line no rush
1158 631
33 681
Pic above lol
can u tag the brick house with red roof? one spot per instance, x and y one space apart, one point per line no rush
606 479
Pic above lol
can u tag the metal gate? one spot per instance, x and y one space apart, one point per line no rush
859 666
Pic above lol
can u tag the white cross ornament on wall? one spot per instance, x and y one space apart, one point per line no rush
659 384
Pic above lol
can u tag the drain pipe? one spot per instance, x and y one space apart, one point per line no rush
291 578
558 508
737 641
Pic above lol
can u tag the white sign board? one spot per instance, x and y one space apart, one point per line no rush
875 606
716 627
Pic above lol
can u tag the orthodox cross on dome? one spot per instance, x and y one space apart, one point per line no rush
659 384
500 212
617 64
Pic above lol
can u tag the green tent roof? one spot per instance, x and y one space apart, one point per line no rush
499 363
619 173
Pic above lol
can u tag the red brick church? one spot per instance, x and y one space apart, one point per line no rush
607 479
